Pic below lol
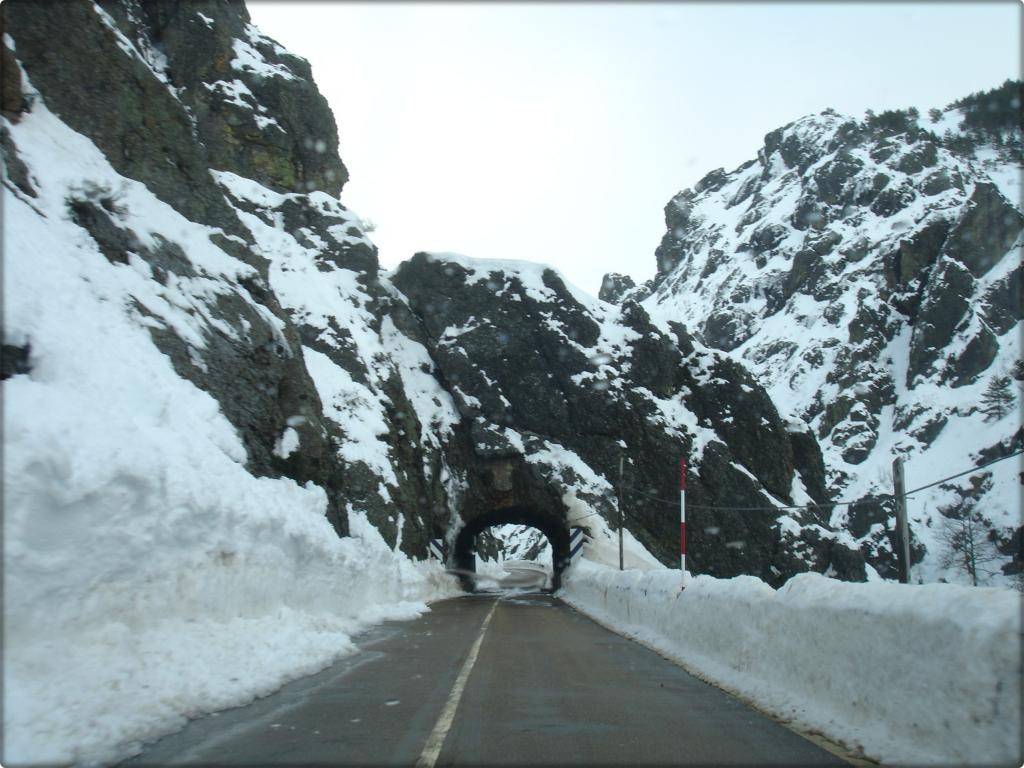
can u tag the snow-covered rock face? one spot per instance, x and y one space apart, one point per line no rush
124 157
199 456
548 378
211 175
868 272
226 429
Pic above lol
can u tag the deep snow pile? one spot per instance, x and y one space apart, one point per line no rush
149 577
905 674
868 272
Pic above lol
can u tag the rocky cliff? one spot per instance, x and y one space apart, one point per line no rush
212 199
192 179
171 101
867 272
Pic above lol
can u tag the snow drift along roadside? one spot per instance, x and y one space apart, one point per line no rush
911 674
148 576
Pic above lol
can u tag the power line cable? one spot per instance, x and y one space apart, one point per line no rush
577 519
968 471
675 502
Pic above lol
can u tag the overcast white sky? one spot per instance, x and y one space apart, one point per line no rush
557 132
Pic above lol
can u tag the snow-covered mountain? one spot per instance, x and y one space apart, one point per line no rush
183 460
868 272
221 418
229 435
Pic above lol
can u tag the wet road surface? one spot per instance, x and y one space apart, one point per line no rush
541 685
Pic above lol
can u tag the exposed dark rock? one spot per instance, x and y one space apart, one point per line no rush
832 178
144 131
807 269
795 150
867 513
816 550
917 253
877 225
892 200
985 232
809 463
15 360
979 352
549 401
1014 547
252 365
873 522
712 181
16 170
945 304
259 379
766 238
724 330
921 155
94 216
939 181
1003 448
277 128
716 258
930 428
1002 301
302 219
871 326
745 418
614 286
12 96
517 362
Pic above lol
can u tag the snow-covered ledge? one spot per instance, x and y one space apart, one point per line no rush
901 673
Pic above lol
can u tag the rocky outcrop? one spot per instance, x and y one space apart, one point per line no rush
133 107
867 272
614 286
559 381
140 125
255 106
426 399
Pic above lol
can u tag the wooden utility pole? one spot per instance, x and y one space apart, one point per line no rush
622 520
902 529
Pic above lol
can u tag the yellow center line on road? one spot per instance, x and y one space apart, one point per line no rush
432 749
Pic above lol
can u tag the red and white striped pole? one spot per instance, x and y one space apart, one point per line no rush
682 519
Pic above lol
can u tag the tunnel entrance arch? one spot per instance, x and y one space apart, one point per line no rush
554 528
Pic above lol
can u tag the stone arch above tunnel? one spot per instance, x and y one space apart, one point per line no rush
553 526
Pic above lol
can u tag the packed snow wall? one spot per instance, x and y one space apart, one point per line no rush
189 520
904 674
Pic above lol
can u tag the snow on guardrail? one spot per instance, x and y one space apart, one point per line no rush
900 673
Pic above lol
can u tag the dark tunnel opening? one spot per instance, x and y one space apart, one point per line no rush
555 529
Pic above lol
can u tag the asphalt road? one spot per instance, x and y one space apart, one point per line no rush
541 685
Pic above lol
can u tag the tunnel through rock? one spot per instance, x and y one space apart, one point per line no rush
555 529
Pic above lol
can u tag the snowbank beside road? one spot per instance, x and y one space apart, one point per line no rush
148 576
906 673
